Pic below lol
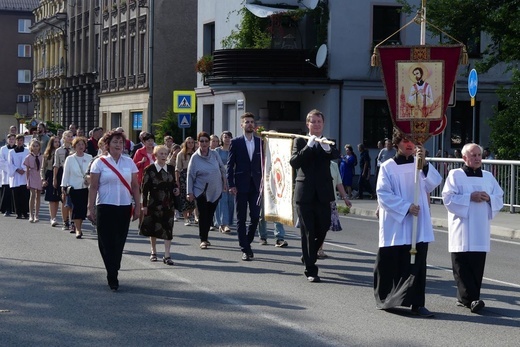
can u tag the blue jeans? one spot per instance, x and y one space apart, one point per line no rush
279 230
225 210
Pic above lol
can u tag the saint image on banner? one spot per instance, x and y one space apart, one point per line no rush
421 88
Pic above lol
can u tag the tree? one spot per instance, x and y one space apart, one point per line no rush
168 125
465 20
505 124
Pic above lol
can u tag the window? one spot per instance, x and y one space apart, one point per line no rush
386 20
377 123
122 56
142 50
115 120
137 120
208 41
24 25
462 123
24 51
284 110
24 76
131 71
23 98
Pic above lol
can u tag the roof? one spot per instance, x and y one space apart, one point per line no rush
18 5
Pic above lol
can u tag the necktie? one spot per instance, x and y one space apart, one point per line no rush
37 160
67 152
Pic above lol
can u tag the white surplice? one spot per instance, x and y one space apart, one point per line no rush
395 191
469 221
16 162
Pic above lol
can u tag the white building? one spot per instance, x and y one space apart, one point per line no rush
279 86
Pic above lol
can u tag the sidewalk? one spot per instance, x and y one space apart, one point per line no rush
505 224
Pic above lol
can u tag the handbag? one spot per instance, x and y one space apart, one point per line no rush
125 183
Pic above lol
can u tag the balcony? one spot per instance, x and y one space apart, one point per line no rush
264 65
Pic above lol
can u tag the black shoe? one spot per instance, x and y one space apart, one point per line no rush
113 283
26 216
477 305
314 278
246 257
7 214
250 254
281 243
421 312
19 217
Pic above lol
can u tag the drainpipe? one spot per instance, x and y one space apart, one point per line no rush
150 64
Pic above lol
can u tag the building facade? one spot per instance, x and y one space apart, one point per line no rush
113 63
16 62
50 60
343 85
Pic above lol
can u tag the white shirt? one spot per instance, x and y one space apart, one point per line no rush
469 221
111 190
16 162
395 191
250 144
74 170
4 165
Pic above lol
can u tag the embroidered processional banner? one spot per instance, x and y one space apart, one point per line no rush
418 82
278 180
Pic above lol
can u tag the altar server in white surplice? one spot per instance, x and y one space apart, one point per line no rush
395 192
473 198
18 178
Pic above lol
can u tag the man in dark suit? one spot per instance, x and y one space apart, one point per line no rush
244 174
313 191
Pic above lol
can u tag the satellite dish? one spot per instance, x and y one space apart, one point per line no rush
310 4
321 56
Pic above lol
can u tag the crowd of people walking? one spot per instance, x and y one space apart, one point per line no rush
111 181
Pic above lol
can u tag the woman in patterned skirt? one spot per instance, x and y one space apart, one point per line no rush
159 189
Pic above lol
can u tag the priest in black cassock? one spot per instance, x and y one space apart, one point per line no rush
396 281
472 197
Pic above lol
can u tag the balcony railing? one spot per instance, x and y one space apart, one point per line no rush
265 64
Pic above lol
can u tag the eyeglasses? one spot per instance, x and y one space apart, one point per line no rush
203 141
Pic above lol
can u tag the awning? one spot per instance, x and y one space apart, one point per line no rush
260 9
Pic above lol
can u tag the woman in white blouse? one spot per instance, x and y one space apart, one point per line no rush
113 187
74 182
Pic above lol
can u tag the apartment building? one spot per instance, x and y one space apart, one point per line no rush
16 67
282 82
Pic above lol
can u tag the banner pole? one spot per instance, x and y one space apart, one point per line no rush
423 23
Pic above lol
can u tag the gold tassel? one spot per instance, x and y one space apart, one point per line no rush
464 60
374 60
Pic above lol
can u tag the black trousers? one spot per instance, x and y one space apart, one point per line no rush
468 270
393 268
243 200
206 212
112 228
7 199
364 186
21 200
314 224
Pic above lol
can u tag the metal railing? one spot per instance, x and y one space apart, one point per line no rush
506 172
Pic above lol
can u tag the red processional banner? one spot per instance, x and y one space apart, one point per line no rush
418 82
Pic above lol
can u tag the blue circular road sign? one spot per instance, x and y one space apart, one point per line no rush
472 83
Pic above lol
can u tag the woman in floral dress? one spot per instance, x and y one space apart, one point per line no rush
159 189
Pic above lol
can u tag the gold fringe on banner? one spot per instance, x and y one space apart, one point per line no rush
374 61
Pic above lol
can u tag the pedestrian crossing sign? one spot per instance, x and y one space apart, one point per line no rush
184 101
184 120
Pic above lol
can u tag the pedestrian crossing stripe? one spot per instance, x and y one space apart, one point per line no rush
184 103
184 121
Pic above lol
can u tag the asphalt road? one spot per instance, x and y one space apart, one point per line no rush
53 292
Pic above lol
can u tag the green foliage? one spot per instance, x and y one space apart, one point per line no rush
256 32
251 33
505 124
343 209
53 127
168 125
466 19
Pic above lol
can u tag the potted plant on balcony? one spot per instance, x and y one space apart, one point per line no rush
122 7
114 10
205 66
